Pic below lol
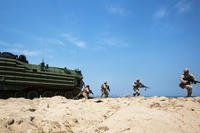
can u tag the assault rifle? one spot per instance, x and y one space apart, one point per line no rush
90 91
195 81
145 87
80 94
189 81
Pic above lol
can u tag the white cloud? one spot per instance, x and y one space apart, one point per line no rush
18 49
74 40
54 41
116 9
160 13
25 52
183 6
111 41
63 40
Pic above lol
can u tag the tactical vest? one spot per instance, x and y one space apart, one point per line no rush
188 78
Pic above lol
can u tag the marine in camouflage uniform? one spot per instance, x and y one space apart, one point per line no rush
104 89
84 92
137 84
186 81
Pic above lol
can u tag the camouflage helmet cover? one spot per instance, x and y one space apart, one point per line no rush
137 79
87 86
186 70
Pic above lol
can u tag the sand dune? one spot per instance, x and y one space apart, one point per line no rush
111 115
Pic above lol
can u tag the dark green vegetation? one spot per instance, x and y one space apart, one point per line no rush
18 78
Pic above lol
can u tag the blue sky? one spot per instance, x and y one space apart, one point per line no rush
113 40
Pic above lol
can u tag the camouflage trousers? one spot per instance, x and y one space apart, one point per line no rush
104 93
189 90
85 95
136 92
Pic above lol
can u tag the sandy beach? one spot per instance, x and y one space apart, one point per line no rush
110 115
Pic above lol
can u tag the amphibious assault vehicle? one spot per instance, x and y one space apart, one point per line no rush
18 78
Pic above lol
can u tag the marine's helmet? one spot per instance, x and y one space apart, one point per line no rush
87 86
137 79
105 82
186 71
